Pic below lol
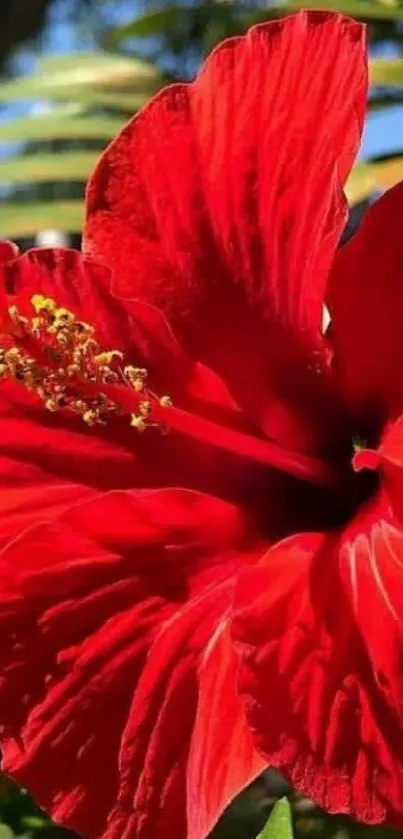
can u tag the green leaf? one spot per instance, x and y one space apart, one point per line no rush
20 220
35 822
387 72
381 103
160 21
59 126
39 88
90 78
194 22
42 168
279 823
152 23
369 176
361 9
103 68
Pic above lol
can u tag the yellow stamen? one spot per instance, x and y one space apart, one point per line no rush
43 304
58 358
138 423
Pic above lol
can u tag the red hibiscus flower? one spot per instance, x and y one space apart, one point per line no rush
179 611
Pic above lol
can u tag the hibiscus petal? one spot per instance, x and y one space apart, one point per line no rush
320 621
155 743
8 251
77 283
219 728
366 303
114 456
42 471
83 286
85 598
47 463
234 179
221 203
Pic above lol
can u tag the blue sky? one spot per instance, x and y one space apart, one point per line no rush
383 133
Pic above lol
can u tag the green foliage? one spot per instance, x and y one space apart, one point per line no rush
387 72
57 166
83 103
367 10
102 79
19 219
253 814
279 823
190 29
60 124
374 176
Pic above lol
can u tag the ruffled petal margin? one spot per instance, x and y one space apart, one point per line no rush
234 180
107 615
221 203
321 621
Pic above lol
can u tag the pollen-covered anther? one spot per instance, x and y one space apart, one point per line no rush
13 355
16 317
145 409
138 422
91 417
63 317
36 324
43 304
83 329
62 336
105 359
52 404
136 376
58 358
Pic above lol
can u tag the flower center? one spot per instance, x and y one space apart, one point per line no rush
57 357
